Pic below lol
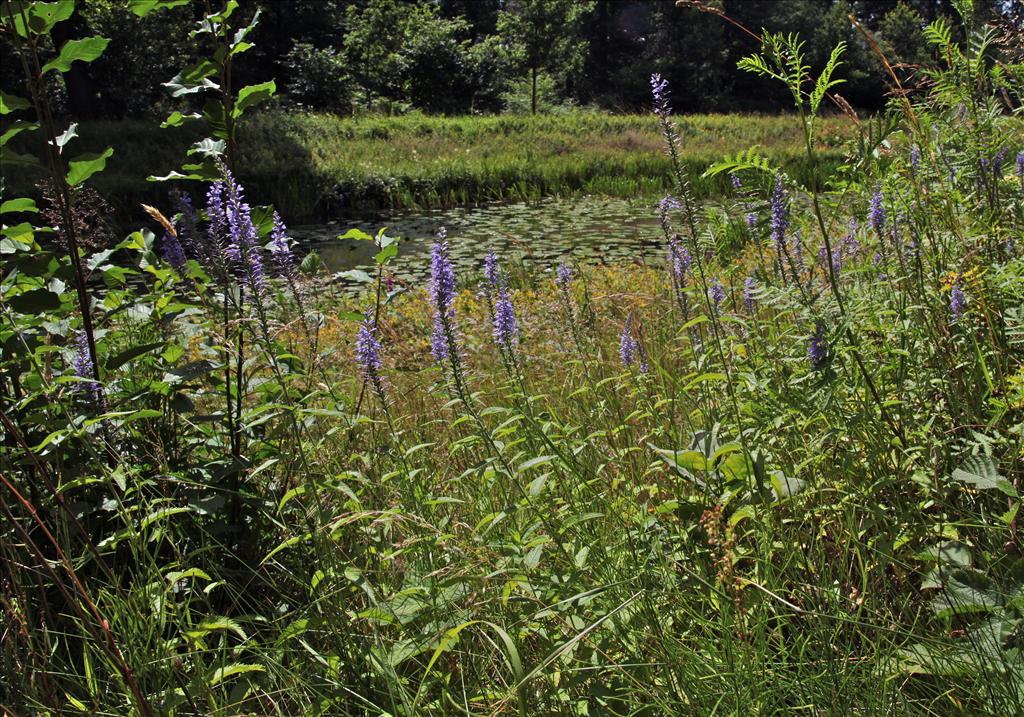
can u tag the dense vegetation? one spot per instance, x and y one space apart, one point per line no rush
319 166
780 473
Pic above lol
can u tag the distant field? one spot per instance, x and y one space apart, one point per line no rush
316 166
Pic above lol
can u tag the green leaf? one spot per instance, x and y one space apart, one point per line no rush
357 275
17 128
982 473
252 95
35 301
208 147
193 79
18 160
534 462
144 7
127 355
22 204
356 234
12 103
176 119
42 16
238 668
386 253
85 50
85 165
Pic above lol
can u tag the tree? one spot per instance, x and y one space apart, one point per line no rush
545 34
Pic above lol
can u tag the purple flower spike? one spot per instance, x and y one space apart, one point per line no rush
716 293
680 259
1020 165
280 250
779 212
736 183
817 348
81 364
491 273
957 302
876 211
629 347
665 206
506 328
442 297
173 253
997 163
368 351
751 221
915 159
564 275
659 92
749 287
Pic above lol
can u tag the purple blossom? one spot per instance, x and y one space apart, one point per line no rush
442 297
1020 165
850 246
506 328
680 259
736 183
280 249
716 293
749 300
665 206
564 275
876 211
659 91
368 351
173 254
837 258
997 163
817 348
491 273
629 347
957 301
81 364
779 213
915 159
231 226
751 221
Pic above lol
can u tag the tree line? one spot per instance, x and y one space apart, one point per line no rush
484 56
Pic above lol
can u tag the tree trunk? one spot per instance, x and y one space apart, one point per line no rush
533 93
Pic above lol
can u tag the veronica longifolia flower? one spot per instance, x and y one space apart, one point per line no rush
876 211
915 159
665 206
629 347
368 351
1020 165
716 293
231 227
564 275
280 250
506 328
81 364
492 275
779 212
817 348
736 183
442 298
957 301
749 287
680 259
173 254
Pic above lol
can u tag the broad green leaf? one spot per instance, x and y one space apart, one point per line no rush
16 128
176 119
22 204
35 301
356 234
18 160
127 355
85 50
42 16
12 103
252 95
238 668
386 254
85 165
144 7
208 147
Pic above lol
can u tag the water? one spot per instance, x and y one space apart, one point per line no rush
590 230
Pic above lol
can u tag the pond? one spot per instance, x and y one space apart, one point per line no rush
589 229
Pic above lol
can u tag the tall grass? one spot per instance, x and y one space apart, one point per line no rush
317 166
798 494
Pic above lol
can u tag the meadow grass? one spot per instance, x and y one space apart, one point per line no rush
315 166
778 473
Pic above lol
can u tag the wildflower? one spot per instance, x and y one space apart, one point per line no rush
997 163
876 211
751 221
734 178
915 159
442 296
666 205
779 213
280 250
506 328
716 293
368 356
836 258
1020 166
173 253
231 227
850 246
564 275
957 301
817 348
491 273
680 259
749 287
629 347
81 364
659 91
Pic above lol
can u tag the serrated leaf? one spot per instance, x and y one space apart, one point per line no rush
982 473
85 50
85 165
